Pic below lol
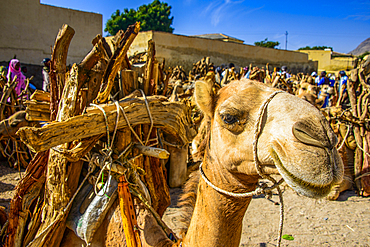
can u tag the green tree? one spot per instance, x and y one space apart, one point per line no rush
268 44
154 16
315 48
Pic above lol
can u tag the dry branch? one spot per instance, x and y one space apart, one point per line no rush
120 58
40 95
58 66
172 117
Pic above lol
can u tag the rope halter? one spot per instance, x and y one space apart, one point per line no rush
261 189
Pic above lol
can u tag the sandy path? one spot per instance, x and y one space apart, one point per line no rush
345 222
9 178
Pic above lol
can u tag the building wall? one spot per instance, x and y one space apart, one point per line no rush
184 50
327 63
28 30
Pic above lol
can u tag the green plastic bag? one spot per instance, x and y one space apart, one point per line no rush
288 237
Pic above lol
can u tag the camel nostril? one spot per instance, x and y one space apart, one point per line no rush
311 134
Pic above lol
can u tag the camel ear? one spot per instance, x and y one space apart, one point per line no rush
203 95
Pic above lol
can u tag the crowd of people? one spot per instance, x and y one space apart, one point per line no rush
327 85
329 89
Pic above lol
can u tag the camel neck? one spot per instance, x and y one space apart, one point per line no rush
217 218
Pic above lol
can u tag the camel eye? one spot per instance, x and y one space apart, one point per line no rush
229 119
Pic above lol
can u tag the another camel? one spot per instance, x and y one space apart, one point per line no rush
9 126
290 137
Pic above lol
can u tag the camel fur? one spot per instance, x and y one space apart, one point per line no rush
295 141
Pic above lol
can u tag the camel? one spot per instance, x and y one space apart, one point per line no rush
9 126
287 136
307 92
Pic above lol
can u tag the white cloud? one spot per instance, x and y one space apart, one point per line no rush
358 17
223 9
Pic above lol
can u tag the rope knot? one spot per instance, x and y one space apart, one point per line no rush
266 190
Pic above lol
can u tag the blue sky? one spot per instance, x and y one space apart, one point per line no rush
342 25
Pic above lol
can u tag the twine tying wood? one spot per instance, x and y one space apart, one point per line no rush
344 139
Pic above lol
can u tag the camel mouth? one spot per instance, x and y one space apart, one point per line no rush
304 187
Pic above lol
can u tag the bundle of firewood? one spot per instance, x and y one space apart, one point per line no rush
201 68
359 94
178 73
98 108
12 117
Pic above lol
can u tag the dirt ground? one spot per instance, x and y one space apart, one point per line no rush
9 178
345 222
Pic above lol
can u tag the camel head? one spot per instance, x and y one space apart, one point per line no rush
9 126
295 139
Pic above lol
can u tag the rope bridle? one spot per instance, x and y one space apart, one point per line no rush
261 189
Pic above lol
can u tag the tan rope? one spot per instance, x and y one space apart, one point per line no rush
362 175
129 125
150 116
258 165
108 154
345 137
258 190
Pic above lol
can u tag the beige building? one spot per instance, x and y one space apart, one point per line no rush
330 61
186 50
219 36
29 28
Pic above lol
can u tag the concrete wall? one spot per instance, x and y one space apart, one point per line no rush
184 50
28 30
328 63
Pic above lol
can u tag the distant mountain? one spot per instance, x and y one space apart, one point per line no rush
361 48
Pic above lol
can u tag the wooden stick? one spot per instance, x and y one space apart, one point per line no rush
172 117
153 152
131 32
58 67
41 95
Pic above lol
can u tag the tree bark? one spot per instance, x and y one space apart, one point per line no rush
172 117
58 67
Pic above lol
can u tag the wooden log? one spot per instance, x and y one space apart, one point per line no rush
129 80
62 178
7 91
37 116
365 169
357 133
41 106
155 79
153 152
154 172
97 52
58 67
40 95
172 117
31 184
178 166
130 35
68 100
93 83
149 66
